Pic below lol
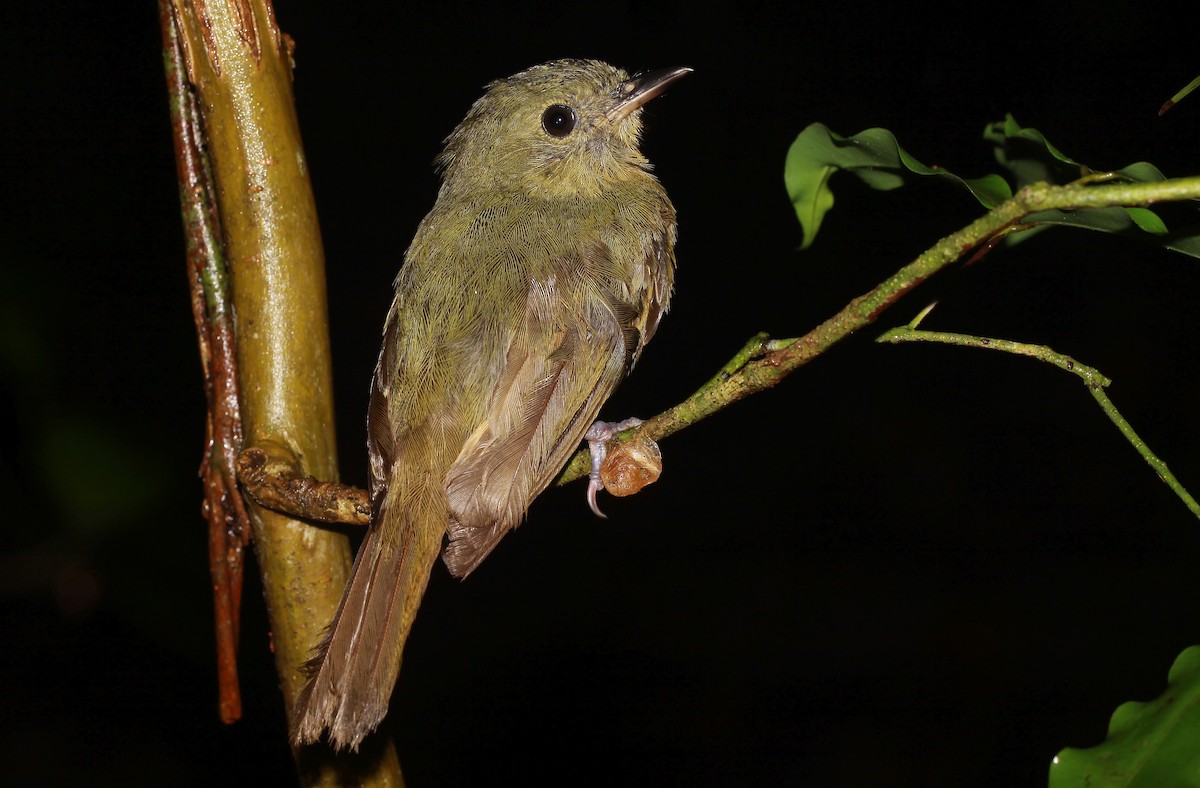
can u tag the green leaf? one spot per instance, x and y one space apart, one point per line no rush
875 157
1107 220
1028 155
1148 220
1149 745
1132 222
1032 158
1013 130
1141 172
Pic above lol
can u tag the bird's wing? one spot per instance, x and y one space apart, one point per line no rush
575 343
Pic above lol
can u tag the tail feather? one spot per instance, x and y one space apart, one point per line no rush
358 661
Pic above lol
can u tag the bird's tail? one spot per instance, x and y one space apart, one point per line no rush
356 666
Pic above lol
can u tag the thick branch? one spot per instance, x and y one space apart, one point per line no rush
240 70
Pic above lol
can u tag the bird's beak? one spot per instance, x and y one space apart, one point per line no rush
635 92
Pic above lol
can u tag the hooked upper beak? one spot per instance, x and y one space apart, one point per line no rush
637 91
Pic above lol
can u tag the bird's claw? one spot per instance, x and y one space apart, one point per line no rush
597 437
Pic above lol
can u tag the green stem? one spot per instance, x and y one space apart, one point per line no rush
1092 378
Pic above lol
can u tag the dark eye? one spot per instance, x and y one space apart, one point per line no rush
558 121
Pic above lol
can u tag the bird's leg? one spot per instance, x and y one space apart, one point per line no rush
597 437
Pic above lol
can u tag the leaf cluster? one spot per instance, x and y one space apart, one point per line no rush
878 160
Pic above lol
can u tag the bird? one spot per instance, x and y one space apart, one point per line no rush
528 292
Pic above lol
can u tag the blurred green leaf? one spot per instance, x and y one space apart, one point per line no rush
1028 155
875 157
1032 158
1149 745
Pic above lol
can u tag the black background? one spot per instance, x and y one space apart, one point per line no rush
912 565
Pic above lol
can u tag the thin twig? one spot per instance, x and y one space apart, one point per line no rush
223 507
274 481
1092 378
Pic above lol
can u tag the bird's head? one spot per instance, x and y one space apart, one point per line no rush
567 127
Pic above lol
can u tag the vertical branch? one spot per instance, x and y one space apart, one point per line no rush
238 65
223 507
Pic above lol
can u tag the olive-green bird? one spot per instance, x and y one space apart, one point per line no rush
525 297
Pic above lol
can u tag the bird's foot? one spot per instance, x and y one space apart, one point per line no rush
597 437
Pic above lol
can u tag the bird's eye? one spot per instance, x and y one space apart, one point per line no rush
558 121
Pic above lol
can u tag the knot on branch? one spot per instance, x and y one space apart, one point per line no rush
272 477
